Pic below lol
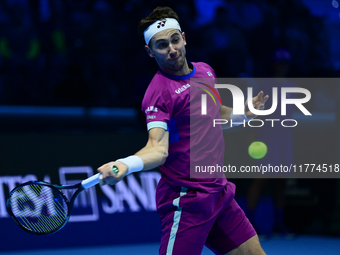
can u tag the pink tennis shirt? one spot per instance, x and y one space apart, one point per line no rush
174 103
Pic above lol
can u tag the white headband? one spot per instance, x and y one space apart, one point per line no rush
159 26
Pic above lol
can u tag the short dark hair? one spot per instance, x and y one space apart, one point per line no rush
156 14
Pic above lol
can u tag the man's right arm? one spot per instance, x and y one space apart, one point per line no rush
153 155
155 152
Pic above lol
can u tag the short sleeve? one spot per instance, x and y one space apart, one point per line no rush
157 106
209 69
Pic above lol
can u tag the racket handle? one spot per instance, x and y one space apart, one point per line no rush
91 181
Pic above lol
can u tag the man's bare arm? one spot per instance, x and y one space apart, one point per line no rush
153 155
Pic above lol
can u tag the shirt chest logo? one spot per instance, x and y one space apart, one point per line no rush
183 88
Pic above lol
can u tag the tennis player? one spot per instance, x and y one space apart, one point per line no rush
193 212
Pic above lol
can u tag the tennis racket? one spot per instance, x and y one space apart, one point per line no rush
41 208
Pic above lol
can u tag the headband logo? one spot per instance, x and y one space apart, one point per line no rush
161 24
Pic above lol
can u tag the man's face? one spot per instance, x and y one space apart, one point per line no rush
168 48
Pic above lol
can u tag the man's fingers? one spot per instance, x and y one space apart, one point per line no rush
109 180
265 98
102 182
112 172
109 174
258 97
101 168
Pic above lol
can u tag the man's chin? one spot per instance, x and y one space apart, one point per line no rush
177 66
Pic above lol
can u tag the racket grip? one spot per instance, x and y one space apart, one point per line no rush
91 181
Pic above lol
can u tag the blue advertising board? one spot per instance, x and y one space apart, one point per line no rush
102 215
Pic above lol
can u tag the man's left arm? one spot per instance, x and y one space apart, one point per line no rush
227 112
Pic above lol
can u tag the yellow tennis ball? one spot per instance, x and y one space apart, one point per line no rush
257 150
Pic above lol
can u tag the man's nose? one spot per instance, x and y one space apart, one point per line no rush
172 49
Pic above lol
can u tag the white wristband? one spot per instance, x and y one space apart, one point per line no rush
134 163
239 119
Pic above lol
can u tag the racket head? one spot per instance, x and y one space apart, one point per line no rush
38 207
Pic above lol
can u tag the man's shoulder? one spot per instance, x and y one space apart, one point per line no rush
159 82
201 65
204 67
158 87
159 77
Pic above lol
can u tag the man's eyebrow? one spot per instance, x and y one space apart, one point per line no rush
175 33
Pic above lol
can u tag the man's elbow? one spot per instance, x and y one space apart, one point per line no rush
163 152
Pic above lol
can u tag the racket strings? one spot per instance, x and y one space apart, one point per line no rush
35 218
39 208
46 227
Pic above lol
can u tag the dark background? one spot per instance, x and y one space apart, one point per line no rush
88 53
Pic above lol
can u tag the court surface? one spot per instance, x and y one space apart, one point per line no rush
311 245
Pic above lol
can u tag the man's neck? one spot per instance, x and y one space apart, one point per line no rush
184 71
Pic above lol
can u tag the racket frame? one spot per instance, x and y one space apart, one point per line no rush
59 189
85 184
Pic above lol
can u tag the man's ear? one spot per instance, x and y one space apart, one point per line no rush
184 39
148 50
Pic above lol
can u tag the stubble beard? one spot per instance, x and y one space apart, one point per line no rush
178 65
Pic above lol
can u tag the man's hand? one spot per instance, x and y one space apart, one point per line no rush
109 177
258 103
